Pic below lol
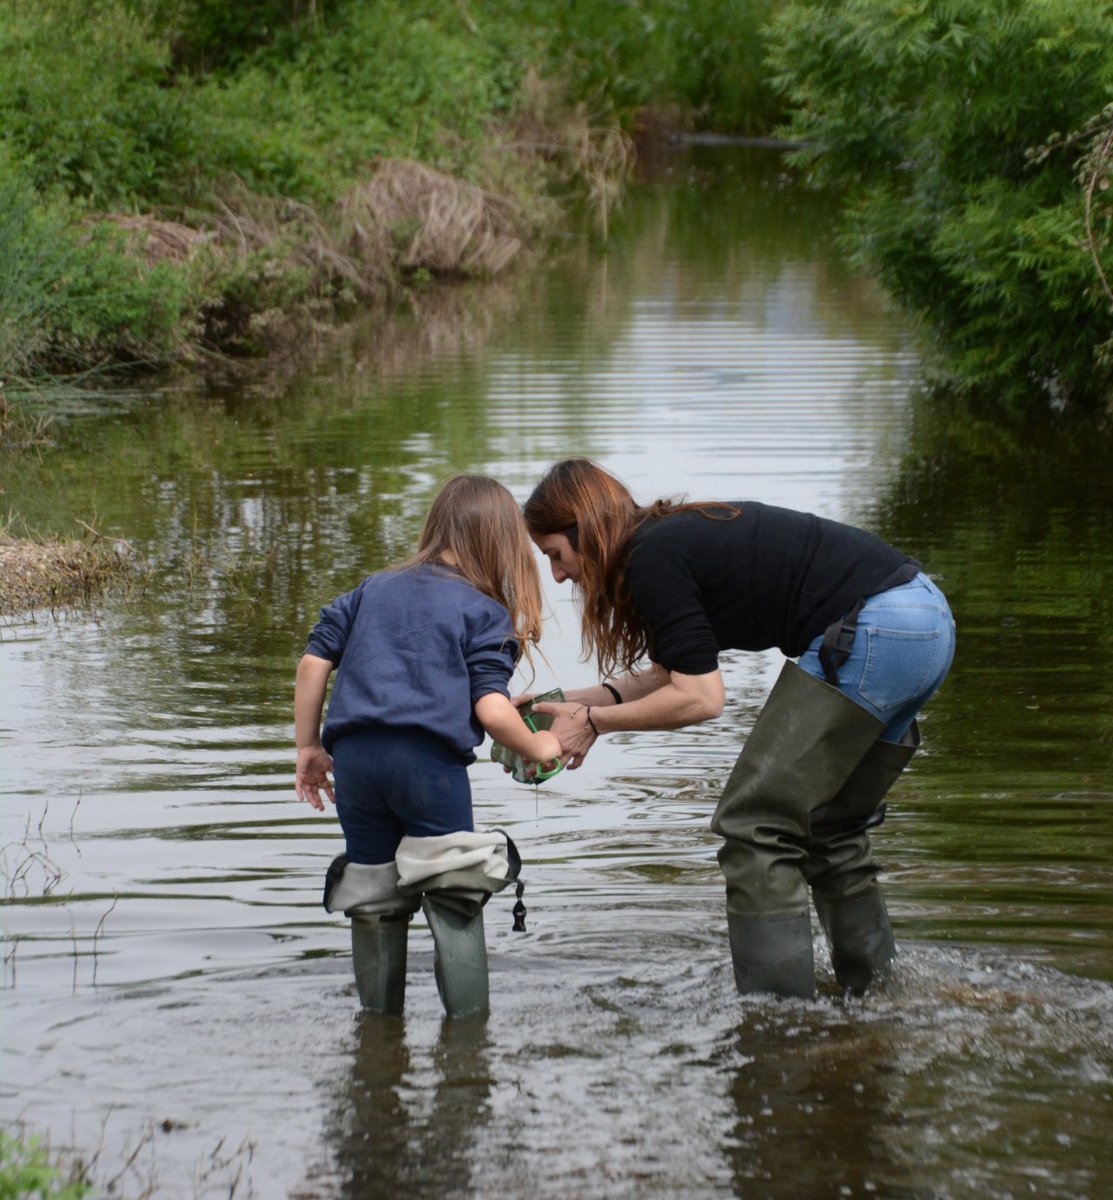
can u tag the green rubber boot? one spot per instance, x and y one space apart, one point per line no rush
860 936
807 740
379 958
841 871
772 954
460 953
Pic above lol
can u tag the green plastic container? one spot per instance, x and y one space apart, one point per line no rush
536 722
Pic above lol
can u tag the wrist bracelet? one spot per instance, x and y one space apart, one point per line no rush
613 691
590 721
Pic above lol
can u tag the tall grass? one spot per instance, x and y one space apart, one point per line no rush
27 1170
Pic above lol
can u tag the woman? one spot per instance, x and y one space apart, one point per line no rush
677 584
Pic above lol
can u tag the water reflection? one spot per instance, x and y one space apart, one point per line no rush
718 347
813 1104
404 1127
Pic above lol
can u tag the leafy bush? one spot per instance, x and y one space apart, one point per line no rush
86 105
618 55
716 53
403 81
209 35
925 113
68 295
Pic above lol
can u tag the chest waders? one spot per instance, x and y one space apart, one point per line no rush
450 878
795 814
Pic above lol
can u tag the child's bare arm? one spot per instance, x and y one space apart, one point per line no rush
504 724
314 762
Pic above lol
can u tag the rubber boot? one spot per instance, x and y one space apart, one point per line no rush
379 946
861 938
841 871
460 953
772 954
807 740
368 894
455 874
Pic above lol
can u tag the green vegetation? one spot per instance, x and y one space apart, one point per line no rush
180 177
970 141
27 1173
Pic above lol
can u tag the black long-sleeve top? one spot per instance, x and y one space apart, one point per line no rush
767 577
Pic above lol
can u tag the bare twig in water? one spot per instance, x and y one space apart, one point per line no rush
96 934
73 815
27 858
76 951
146 1140
9 960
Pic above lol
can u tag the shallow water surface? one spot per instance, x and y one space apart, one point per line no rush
177 1004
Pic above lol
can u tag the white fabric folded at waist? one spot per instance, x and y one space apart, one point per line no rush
419 858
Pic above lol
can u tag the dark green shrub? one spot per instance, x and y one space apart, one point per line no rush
208 35
619 55
86 105
716 62
70 295
924 113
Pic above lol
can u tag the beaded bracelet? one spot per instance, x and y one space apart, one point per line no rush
591 724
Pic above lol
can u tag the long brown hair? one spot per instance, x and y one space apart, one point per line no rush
597 514
476 520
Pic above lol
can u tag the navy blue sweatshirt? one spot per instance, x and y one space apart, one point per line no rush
414 648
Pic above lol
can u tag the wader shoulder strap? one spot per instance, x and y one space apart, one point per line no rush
838 638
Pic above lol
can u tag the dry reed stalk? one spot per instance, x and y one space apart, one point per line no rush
426 220
295 233
155 240
37 572
588 150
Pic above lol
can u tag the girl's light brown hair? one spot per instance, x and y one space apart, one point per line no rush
597 514
476 520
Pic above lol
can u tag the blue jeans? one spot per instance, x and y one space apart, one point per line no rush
901 653
391 782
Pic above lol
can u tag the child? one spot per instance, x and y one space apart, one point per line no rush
423 654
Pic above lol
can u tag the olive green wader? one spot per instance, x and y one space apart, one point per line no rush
841 872
451 878
454 875
803 749
380 916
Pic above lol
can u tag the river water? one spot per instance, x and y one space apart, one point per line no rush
177 1007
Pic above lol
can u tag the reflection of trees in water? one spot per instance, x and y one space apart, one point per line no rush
814 1115
1018 519
1009 803
403 1127
259 502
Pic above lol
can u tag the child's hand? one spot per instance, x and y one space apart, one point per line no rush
314 764
571 727
522 698
547 747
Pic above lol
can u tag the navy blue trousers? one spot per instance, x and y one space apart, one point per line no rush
393 782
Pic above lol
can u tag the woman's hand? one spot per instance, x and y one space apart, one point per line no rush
314 764
571 727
